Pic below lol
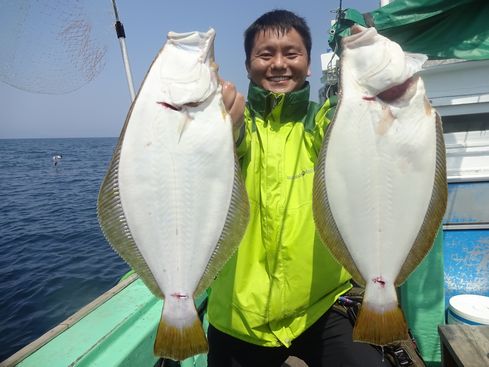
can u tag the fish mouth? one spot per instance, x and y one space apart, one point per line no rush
397 91
169 106
175 107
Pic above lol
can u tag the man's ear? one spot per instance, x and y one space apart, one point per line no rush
309 71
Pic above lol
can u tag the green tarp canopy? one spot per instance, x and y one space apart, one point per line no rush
440 29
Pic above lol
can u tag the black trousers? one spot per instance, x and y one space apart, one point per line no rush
327 343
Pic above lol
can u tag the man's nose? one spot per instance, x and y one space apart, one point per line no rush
278 62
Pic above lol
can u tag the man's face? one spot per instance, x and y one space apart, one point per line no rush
279 63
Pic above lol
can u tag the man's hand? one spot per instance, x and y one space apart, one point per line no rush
234 103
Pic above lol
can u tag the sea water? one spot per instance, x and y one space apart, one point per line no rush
53 256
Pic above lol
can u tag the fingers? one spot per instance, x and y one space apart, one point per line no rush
234 103
229 93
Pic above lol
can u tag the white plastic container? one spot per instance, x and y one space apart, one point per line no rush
468 309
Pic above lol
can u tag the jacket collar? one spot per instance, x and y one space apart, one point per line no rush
293 104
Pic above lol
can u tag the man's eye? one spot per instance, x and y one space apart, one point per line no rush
292 55
265 56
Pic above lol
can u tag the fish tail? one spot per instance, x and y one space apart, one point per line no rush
380 325
180 334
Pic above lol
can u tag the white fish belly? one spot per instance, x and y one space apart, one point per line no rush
176 177
380 169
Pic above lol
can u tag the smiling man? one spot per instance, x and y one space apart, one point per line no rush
278 59
274 297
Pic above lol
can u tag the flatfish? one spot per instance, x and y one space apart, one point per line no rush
380 187
173 203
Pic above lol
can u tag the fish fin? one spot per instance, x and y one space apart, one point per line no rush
380 326
434 215
180 334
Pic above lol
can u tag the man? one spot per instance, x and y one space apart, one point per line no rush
273 298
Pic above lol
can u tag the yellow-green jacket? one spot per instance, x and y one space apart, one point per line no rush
282 278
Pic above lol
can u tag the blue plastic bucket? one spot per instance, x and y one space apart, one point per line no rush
468 309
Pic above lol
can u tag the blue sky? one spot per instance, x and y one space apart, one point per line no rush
99 108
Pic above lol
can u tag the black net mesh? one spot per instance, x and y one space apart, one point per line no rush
53 46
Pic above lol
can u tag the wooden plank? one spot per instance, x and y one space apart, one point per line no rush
464 345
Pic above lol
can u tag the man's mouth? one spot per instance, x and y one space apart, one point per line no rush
278 78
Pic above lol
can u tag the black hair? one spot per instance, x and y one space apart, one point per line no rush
281 21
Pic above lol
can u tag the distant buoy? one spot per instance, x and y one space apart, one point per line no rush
56 159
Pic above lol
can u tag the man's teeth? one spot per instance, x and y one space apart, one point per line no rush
279 78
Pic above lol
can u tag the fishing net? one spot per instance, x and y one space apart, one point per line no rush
53 46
